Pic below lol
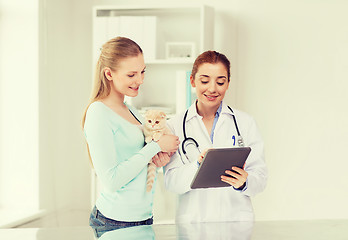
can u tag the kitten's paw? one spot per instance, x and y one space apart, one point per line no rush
148 139
157 136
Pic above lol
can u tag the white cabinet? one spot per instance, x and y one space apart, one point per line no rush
172 31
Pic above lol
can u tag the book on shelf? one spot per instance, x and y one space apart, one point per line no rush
141 29
113 27
100 34
149 37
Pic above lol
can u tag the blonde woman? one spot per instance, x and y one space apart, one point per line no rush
116 142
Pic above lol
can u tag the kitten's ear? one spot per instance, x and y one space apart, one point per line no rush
163 115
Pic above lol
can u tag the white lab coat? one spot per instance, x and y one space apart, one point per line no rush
215 204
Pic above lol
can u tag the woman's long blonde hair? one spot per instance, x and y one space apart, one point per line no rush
111 53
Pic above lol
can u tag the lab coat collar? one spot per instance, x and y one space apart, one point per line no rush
225 109
192 111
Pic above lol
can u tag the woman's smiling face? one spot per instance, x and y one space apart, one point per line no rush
211 83
128 76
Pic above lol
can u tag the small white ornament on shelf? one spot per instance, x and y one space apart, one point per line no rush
180 50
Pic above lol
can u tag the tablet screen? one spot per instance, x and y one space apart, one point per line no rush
214 164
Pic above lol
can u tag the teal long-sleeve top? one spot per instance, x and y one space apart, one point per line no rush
120 160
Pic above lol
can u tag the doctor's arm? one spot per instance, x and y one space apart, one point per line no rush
178 176
255 165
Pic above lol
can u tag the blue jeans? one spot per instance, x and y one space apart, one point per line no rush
102 224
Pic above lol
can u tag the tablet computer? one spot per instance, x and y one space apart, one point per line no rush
214 164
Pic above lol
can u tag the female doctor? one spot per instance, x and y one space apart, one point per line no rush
210 123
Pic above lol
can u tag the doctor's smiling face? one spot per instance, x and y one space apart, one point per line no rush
211 82
210 76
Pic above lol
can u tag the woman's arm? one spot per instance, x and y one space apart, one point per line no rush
114 173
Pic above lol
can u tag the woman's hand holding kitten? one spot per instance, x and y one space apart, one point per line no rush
168 143
161 159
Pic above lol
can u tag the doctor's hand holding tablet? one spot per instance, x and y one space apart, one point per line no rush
237 179
213 190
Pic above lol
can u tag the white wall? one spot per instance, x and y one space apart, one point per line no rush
65 79
19 104
292 76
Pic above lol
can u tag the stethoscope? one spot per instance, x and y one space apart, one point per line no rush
188 139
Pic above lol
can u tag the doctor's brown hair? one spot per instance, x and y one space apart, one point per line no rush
211 57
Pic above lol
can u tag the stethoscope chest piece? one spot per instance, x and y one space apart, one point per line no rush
240 141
